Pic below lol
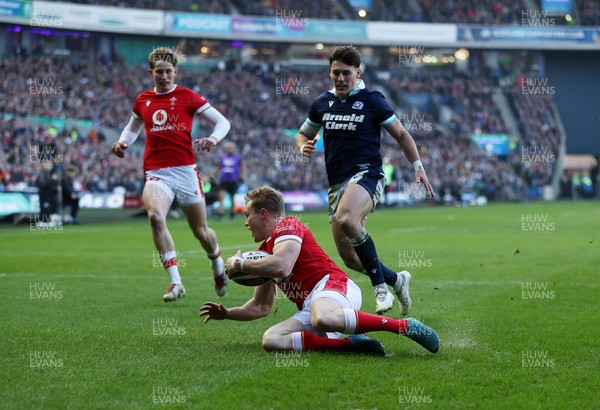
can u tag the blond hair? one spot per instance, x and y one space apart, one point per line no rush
268 198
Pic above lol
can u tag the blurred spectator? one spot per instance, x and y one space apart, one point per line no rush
48 184
70 195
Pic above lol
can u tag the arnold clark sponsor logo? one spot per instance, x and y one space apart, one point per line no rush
342 122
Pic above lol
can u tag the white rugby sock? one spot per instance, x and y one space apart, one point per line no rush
169 261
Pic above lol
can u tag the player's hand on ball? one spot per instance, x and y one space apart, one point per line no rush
229 269
213 311
119 148
205 144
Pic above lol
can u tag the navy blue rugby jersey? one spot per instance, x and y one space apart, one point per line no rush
351 131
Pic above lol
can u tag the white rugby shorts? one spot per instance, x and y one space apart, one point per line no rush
181 183
348 296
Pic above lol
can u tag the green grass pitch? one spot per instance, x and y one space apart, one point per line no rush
512 291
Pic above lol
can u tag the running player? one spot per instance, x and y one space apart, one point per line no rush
352 117
327 299
170 170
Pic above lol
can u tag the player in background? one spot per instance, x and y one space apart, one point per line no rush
170 170
327 299
48 183
230 172
70 196
352 117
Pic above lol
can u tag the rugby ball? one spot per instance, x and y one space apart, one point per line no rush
247 279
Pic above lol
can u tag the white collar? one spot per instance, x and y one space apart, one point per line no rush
166 92
360 85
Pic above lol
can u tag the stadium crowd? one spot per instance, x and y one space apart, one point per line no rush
418 11
456 166
265 105
454 11
540 146
323 9
199 6
92 91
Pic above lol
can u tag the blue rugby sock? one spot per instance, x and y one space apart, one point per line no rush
389 275
367 254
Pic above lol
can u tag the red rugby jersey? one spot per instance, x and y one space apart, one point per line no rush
168 121
312 263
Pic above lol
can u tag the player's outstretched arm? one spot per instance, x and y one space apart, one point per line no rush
259 306
221 128
408 146
128 136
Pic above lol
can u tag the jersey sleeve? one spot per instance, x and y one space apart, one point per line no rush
137 105
384 115
314 119
198 103
288 229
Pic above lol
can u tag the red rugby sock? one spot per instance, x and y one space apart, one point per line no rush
314 342
367 322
